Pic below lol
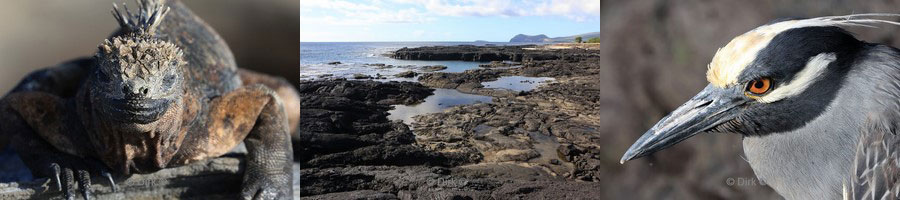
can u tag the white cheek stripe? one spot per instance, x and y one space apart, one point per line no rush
803 79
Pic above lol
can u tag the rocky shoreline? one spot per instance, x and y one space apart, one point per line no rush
486 53
373 158
562 140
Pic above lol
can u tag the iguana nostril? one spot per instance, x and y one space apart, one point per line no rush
143 91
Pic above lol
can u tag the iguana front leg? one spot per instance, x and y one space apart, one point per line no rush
288 94
61 80
50 140
255 115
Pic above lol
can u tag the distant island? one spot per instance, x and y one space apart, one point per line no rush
529 38
544 38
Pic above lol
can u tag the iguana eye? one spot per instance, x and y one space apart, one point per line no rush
168 81
759 86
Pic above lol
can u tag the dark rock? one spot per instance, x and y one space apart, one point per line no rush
490 53
469 79
354 195
433 68
334 63
384 93
406 74
388 179
341 116
552 190
567 152
225 173
361 76
345 126
498 64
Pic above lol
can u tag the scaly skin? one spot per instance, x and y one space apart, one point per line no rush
163 91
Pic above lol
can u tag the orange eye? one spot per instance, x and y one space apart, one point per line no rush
760 86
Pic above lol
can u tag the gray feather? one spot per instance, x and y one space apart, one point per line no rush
876 169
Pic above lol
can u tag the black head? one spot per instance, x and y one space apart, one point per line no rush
772 79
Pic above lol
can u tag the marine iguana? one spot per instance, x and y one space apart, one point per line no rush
163 91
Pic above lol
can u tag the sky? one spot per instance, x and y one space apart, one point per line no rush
444 20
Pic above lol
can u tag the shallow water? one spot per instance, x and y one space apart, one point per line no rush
440 101
517 83
358 57
315 56
347 70
371 52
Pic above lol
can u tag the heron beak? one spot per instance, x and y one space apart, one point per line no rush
706 110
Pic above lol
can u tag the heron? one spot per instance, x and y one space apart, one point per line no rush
817 108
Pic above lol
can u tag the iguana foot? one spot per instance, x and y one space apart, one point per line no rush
66 166
69 174
263 187
67 183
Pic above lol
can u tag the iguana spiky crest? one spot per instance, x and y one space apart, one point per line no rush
150 14
138 57
138 54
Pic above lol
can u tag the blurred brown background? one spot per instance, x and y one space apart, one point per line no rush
662 48
262 34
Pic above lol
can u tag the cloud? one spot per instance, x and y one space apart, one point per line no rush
476 8
579 10
336 5
339 12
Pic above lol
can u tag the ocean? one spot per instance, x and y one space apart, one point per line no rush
353 57
358 57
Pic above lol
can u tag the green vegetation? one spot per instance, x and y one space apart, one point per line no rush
578 39
594 40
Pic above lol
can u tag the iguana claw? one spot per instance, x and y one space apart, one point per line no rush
84 180
112 183
69 190
66 179
55 168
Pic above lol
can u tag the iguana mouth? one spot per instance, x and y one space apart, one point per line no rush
141 111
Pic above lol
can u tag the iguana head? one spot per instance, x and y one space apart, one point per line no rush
137 77
135 94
